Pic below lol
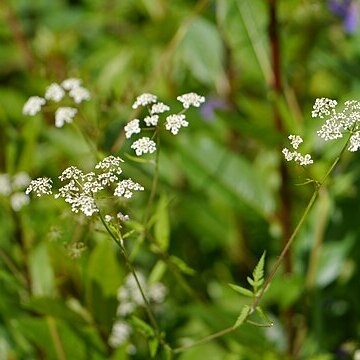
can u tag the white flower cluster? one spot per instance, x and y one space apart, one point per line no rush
80 188
303 160
338 123
129 295
130 298
56 92
173 122
13 187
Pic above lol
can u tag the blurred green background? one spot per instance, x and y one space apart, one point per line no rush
226 190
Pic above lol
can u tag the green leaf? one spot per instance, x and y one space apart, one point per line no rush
264 316
204 58
142 327
153 346
258 273
157 272
241 290
162 223
104 268
242 317
181 265
41 272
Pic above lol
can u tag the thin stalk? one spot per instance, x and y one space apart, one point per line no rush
55 336
257 299
119 243
155 180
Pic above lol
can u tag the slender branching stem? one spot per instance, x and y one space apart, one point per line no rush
119 243
279 261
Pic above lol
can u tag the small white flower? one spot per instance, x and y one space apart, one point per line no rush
157 292
21 180
5 185
126 187
33 105
191 99
122 217
71 83
143 146
120 333
54 92
175 122
132 127
144 100
108 218
40 186
354 142
64 115
125 308
159 108
79 94
151 120
72 172
295 140
18 200
76 249
323 106
110 162
84 203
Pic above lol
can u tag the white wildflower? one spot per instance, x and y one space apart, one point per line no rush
54 92
303 160
79 94
76 249
21 180
84 203
122 217
120 333
125 308
143 146
64 115
191 99
132 127
18 200
323 106
144 100
40 186
157 292
71 83
110 162
151 120
159 108
5 185
295 140
175 122
71 172
33 105
354 142
126 187
108 218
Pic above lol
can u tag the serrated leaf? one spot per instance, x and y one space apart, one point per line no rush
241 290
242 317
258 272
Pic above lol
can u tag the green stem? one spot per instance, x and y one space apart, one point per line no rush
277 264
154 182
119 243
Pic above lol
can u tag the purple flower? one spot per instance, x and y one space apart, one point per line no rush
348 10
211 105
